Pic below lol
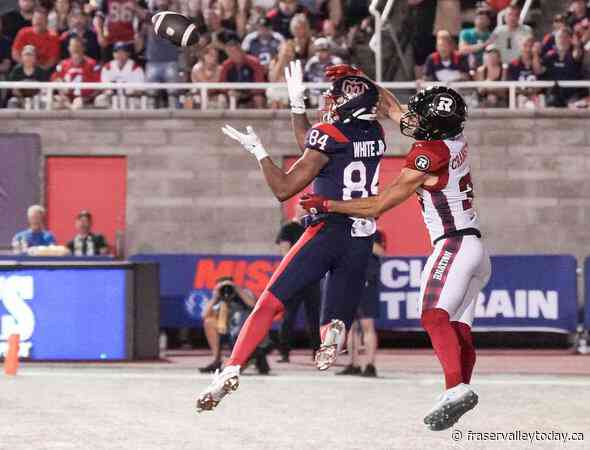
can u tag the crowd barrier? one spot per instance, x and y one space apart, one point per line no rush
525 293
47 90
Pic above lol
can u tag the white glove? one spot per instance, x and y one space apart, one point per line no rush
294 77
249 140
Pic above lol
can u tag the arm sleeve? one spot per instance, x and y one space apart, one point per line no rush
19 42
428 156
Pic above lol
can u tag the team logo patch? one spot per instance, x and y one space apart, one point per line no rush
444 104
352 88
422 162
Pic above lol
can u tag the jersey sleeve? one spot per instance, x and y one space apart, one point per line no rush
428 156
325 138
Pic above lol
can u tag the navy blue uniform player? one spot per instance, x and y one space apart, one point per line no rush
341 157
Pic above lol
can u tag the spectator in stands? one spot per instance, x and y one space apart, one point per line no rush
279 96
5 62
301 32
17 19
422 13
263 43
507 38
446 64
231 17
564 63
242 68
473 41
214 32
316 66
208 70
448 17
491 70
527 68
37 35
161 55
549 39
337 42
86 243
79 26
58 18
122 69
27 70
34 236
77 68
280 17
114 23
578 19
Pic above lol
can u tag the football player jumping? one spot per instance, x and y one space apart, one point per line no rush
342 156
437 170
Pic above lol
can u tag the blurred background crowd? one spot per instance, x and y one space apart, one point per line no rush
254 40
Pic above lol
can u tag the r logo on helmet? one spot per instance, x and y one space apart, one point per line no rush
422 163
444 105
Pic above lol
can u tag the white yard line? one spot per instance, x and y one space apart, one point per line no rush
116 374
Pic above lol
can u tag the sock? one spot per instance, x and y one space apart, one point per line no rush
255 328
463 332
445 343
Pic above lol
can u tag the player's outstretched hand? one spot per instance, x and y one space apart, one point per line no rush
249 140
294 77
314 203
342 70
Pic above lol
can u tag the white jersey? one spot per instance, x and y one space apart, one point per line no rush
448 206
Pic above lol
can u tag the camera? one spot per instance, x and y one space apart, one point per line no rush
227 293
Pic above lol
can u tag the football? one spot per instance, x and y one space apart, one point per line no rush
176 28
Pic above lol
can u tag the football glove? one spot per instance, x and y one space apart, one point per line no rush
314 203
294 77
342 70
249 140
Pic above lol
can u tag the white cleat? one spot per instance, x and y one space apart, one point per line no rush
452 404
331 345
224 382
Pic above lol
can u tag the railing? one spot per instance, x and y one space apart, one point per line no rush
202 90
376 40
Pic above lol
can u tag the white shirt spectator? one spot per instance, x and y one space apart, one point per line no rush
130 72
508 42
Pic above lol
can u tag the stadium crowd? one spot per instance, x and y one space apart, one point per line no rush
254 40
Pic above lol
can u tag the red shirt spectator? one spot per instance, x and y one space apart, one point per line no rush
115 20
240 67
499 5
78 68
46 44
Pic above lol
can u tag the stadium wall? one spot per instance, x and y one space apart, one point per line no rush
191 190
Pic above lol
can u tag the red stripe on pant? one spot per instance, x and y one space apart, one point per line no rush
267 308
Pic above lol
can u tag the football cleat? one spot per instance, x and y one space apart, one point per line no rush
452 404
331 345
176 28
224 382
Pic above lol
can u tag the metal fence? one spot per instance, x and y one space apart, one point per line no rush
45 97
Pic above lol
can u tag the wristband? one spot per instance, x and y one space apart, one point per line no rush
260 152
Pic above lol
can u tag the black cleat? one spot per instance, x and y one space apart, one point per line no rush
370 371
211 368
350 370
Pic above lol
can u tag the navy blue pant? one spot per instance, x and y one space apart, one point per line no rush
326 248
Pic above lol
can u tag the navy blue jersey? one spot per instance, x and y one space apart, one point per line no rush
355 150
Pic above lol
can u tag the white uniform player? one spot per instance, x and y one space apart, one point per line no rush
437 170
459 265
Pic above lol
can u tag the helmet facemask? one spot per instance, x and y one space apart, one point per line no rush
411 126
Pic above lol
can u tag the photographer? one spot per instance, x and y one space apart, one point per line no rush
225 315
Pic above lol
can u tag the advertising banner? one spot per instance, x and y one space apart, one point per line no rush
65 313
525 293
